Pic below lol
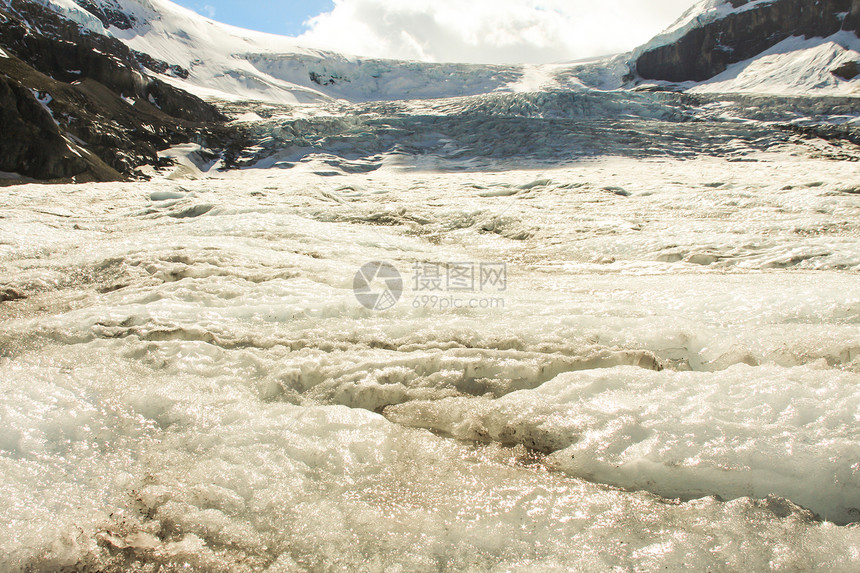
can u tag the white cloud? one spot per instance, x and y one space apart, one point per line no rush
491 31
206 10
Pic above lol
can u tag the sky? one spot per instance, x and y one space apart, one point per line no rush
478 31
283 17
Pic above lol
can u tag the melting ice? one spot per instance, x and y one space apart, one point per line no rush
671 379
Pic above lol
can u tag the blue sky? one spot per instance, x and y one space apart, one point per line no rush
284 17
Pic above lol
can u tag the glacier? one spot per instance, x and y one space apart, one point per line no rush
667 377
189 381
226 63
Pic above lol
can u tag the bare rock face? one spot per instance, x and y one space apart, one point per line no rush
847 71
110 15
707 51
31 142
82 105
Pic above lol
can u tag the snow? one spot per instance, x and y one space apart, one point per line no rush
537 78
230 64
248 117
44 100
190 378
3 54
796 66
69 9
698 15
189 161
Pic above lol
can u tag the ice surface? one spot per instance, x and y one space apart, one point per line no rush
550 128
188 379
746 431
72 11
190 161
670 377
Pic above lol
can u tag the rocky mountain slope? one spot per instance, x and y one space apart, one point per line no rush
217 61
719 33
80 105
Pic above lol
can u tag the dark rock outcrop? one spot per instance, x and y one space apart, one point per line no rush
32 144
159 66
9 294
708 50
59 48
847 71
75 104
110 16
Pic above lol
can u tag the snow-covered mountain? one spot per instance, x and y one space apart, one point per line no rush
759 46
214 60
76 104
97 88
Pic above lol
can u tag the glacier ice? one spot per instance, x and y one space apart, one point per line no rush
187 377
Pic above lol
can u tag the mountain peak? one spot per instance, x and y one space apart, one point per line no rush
716 34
